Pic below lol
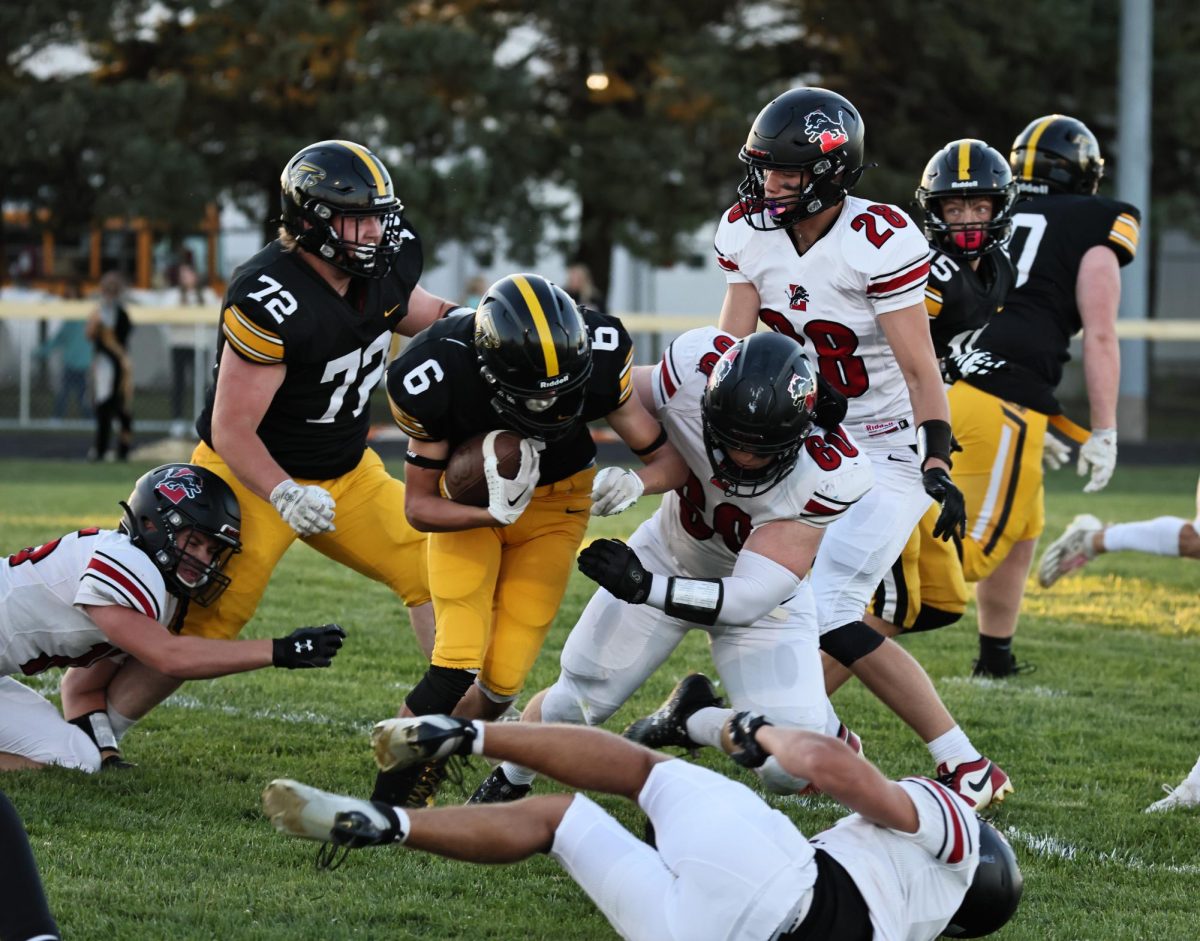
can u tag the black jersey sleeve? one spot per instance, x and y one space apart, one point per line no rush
252 332
418 388
611 382
1118 226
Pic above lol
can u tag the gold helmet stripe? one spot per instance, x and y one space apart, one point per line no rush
964 159
540 322
1031 146
381 187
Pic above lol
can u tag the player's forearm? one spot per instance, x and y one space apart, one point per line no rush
1102 374
199 658
429 513
756 587
243 450
664 470
839 772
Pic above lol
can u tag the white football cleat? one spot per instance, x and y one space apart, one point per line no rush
1070 551
399 743
1186 795
310 813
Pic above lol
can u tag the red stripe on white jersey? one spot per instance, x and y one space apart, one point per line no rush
909 277
669 386
820 509
127 584
958 847
726 263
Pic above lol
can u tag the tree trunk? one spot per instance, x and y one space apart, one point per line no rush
596 245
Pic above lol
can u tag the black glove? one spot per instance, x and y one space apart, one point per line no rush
614 566
307 647
114 762
952 521
831 405
742 728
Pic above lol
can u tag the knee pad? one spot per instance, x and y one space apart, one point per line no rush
439 691
778 781
850 642
498 698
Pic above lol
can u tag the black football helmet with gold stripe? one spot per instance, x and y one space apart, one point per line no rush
338 184
1056 154
967 168
534 353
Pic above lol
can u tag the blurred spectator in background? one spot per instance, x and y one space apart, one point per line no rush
108 327
582 288
474 291
75 352
189 279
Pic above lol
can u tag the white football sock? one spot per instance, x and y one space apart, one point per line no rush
1194 774
1156 537
517 774
952 744
704 725
120 724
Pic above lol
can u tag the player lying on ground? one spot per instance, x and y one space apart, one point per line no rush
912 862
98 594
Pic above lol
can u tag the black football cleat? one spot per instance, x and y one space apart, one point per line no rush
667 726
497 789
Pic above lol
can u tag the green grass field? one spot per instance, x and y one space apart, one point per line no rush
179 849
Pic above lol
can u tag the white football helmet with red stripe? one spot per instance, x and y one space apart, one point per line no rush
170 507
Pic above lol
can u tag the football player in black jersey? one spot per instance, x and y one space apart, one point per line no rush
528 360
1067 246
306 327
967 194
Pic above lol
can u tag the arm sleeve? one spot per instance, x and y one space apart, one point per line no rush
757 586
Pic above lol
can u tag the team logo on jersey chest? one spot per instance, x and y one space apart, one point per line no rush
179 485
797 297
825 131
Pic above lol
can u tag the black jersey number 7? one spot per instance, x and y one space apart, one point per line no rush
1028 229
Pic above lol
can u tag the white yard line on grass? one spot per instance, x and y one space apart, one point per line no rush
1052 846
305 717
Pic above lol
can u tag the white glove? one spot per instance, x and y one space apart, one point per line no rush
308 510
1055 452
507 499
1098 456
615 490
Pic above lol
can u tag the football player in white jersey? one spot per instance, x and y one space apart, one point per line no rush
912 863
98 594
727 552
844 278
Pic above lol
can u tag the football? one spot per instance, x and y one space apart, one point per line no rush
464 482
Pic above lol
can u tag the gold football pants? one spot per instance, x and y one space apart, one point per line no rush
925 587
496 590
373 537
1000 474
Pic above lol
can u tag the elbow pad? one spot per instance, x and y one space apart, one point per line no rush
757 587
